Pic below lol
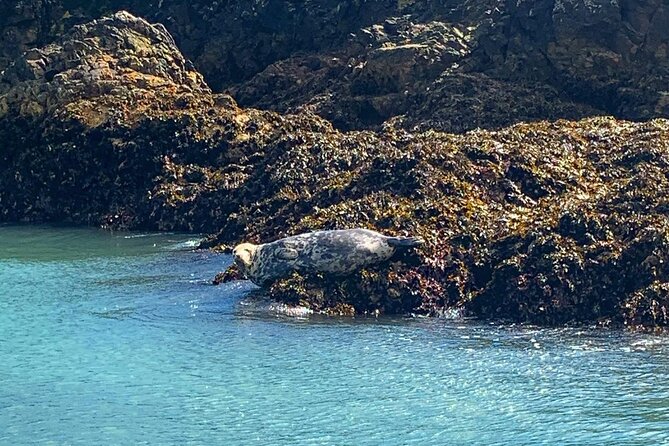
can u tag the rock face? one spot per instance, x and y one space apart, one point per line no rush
608 53
63 104
552 58
228 41
406 75
539 59
542 221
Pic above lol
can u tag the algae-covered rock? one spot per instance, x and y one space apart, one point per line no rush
72 115
648 307
111 125
549 222
229 275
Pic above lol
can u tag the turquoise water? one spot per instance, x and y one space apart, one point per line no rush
119 339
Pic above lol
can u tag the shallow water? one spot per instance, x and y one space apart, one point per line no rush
119 339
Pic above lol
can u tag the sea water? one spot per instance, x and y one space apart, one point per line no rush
119 338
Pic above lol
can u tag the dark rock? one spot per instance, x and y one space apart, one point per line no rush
648 307
606 53
410 75
228 41
229 275
585 233
70 136
547 59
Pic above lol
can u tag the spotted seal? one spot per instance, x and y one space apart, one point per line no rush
336 252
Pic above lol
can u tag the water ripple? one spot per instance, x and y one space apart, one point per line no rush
129 344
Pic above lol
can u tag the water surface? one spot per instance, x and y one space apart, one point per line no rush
116 338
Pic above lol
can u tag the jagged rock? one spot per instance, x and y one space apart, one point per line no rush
101 124
404 74
599 56
69 111
374 79
228 41
118 59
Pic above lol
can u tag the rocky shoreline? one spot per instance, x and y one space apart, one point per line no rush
458 123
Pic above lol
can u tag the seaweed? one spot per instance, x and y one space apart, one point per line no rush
548 222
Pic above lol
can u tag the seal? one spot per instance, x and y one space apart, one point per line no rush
336 252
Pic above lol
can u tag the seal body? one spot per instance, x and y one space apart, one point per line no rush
336 252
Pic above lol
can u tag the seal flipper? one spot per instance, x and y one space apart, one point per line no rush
405 242
286 253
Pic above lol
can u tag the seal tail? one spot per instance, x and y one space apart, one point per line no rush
405 242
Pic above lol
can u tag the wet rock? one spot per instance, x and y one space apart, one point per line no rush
229 275
648 307
584 232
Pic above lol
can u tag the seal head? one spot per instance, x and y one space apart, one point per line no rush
243 255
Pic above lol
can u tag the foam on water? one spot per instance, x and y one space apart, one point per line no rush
114 339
